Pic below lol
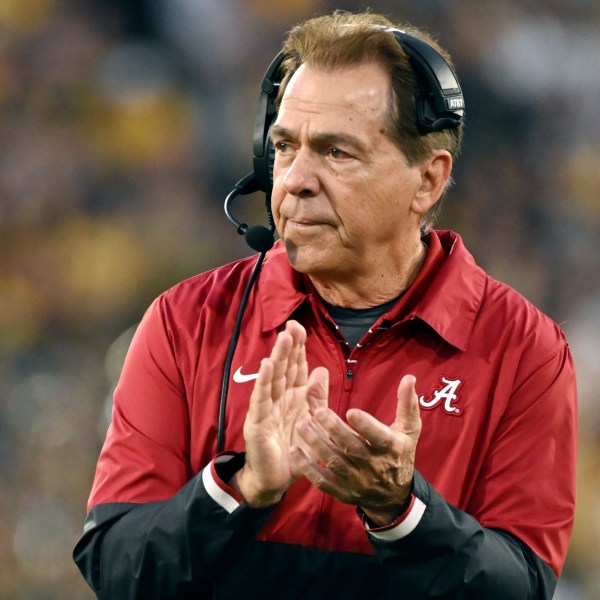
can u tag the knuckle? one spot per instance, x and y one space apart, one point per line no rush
385 444
353 452
318 480
335 463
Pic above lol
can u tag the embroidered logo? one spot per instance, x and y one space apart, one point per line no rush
240 377
447 395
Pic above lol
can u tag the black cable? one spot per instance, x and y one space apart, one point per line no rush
230 351
260 239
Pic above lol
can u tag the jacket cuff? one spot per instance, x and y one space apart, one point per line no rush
402 526
217 472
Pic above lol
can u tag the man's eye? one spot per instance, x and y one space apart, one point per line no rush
337 153
281 146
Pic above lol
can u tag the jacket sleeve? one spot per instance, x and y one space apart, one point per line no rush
511 539
173 548
159 526
439 551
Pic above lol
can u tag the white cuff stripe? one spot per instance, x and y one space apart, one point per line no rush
403 529
221 497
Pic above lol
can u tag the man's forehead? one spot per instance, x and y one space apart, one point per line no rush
364 88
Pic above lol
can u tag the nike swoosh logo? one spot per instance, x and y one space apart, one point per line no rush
239 377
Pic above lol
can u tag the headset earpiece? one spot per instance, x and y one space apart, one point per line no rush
440 106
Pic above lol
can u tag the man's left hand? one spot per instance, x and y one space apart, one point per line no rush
364 462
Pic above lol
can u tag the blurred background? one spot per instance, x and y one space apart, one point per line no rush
122 127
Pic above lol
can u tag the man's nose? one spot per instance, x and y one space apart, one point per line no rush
301 176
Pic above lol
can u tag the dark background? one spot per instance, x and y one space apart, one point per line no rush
122 127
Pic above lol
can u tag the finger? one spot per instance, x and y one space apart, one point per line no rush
279 357
319 476
302 364
261 398
378 435
295 329
318 389
297 368
299 461
346 440
330 456
408 417
326 463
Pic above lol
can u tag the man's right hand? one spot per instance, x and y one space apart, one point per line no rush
283 395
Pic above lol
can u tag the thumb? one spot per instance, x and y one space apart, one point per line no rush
408 418
317 392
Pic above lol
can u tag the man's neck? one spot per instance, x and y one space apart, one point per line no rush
377 287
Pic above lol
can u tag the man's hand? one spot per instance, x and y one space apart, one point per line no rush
368 464
283 395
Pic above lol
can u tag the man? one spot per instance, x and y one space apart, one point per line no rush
399 424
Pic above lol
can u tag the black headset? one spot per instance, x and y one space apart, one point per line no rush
440 105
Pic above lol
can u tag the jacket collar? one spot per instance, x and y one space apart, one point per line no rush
281 290
447 293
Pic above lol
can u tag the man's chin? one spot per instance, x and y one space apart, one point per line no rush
303 259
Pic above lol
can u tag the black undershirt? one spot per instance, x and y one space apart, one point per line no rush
355 322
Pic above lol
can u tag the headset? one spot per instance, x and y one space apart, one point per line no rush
439 105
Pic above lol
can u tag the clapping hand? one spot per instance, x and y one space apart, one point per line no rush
283 396
363 462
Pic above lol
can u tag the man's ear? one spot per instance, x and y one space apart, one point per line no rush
435 173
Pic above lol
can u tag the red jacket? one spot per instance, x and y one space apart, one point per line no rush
494 377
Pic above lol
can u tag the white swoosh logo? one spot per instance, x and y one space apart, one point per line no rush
239 377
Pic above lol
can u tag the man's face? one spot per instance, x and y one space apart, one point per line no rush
342 191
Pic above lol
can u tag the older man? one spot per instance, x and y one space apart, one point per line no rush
398 425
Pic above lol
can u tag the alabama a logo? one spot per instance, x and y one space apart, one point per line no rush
446 397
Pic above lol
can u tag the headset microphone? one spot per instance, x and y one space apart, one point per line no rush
259 238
